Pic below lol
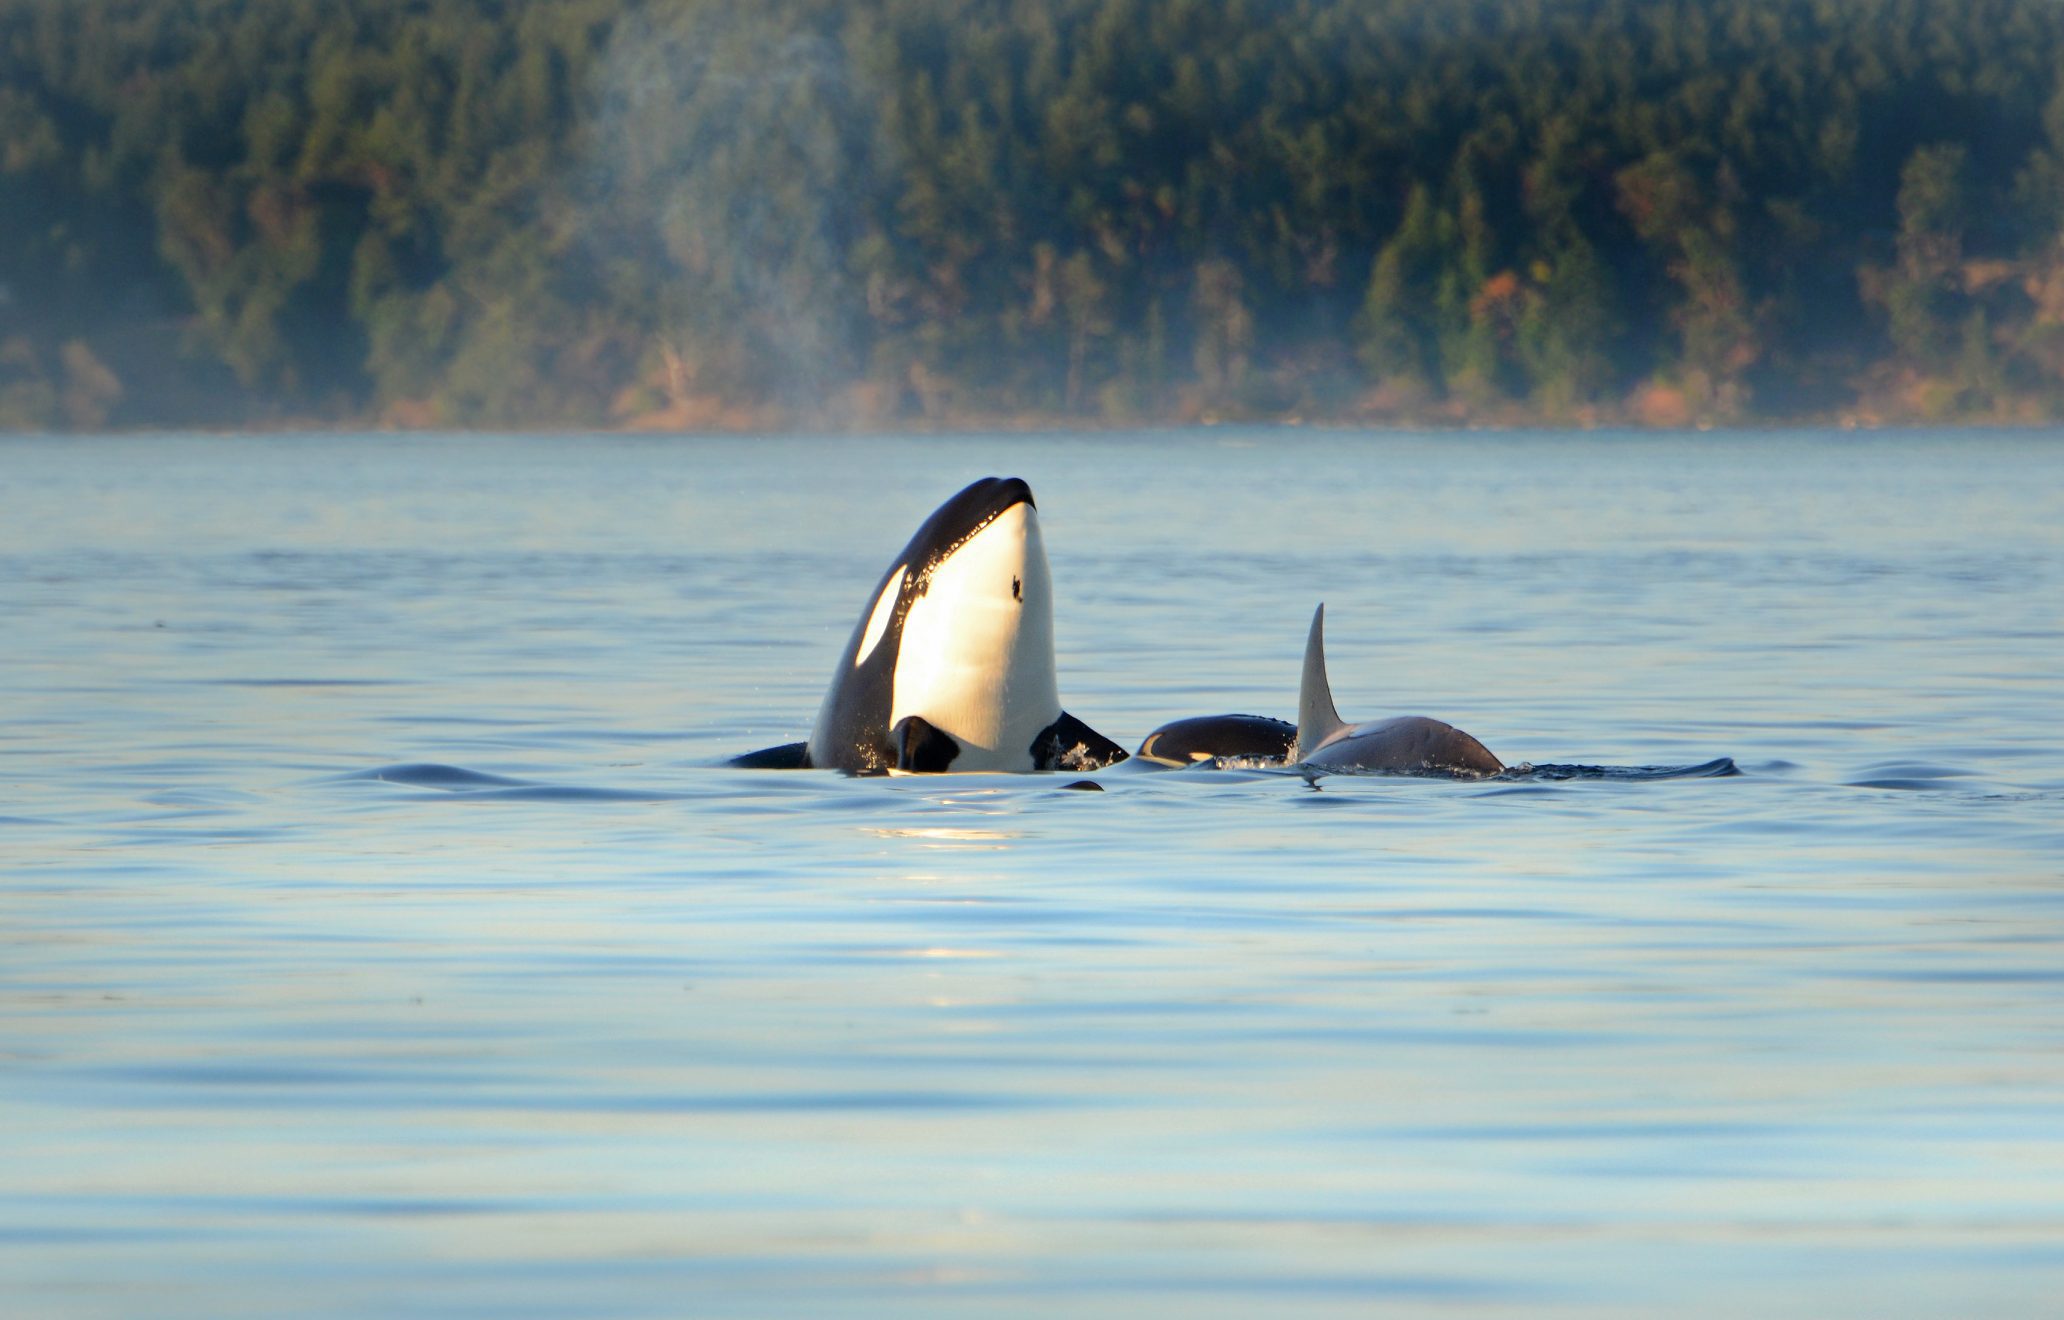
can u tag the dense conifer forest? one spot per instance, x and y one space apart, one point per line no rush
701 213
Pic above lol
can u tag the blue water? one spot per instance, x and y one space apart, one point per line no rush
380 935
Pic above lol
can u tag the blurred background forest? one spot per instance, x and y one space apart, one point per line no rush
709 214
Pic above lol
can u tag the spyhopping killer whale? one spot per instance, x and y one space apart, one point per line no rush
951 665
1406 745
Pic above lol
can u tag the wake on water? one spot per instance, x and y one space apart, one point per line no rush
1525 772
1720 767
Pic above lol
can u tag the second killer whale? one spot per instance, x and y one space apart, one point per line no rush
1322 742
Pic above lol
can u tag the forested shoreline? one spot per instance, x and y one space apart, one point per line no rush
865 213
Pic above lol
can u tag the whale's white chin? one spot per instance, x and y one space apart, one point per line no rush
950 665
977 658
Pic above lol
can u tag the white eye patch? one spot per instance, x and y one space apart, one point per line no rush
878 622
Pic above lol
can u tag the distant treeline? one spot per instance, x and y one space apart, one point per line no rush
871 212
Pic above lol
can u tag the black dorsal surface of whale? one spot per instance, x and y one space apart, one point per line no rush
1222 738
951 664
1404 745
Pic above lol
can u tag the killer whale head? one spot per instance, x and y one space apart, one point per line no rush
951 663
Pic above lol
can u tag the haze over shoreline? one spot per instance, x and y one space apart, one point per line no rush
676 215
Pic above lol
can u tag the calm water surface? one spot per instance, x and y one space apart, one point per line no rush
585 1024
